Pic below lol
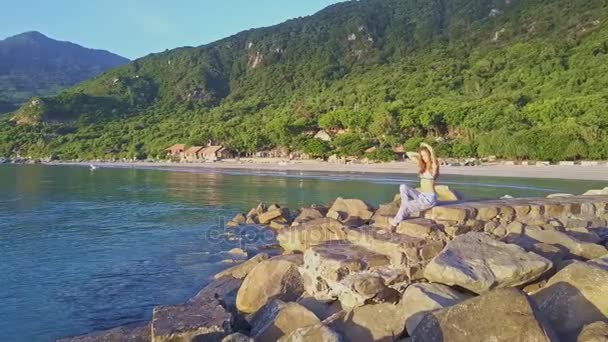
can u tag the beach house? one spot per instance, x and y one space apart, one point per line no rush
193 153
176 151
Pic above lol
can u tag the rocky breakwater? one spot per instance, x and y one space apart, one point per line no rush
504 270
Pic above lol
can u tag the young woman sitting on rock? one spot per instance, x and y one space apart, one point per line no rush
412 200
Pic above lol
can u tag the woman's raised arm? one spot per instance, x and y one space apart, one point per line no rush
434 160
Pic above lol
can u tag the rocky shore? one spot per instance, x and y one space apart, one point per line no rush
504 270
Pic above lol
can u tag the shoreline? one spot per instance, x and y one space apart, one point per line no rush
571 172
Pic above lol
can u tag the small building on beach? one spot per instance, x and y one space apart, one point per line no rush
214 153
399 150
193 153
176 151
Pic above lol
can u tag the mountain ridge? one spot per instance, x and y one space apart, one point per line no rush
32 64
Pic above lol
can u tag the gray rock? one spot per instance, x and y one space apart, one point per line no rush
132 333
479 263
574 297
503 315
205 320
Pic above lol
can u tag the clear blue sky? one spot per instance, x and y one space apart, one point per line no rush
134 28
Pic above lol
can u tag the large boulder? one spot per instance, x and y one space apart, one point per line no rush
353 209
311 233
378 322
132 333
600 262
309 214
335 270
574 297
276 214
202 321
422 298
479 263
594 332
445 194
568 243
277 278
224 289
277 319
237 337
321 309
315 333
383 216
503 315
240 271
335 260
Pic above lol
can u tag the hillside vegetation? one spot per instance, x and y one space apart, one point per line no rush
32 64
511 78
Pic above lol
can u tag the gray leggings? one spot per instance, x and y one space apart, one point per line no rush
413 201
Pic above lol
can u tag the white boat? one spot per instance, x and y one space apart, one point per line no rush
93 167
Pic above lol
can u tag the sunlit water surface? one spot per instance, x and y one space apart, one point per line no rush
84 250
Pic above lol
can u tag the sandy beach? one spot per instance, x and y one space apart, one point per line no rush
576 172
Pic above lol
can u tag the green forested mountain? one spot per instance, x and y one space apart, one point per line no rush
32 64
512 78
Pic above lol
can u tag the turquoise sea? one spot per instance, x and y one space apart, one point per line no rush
84 250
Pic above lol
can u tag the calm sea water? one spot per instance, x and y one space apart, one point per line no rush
84 250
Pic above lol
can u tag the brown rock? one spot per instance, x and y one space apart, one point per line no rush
334 260
277 319
345 208
448 213
273 215
515 228
420 299
479 263
383 216
444 194
501 315
594 332
321 309
574 297
278 225
574 246
310 234
378 322
315 333
240 271
308 214
420 228
270 279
